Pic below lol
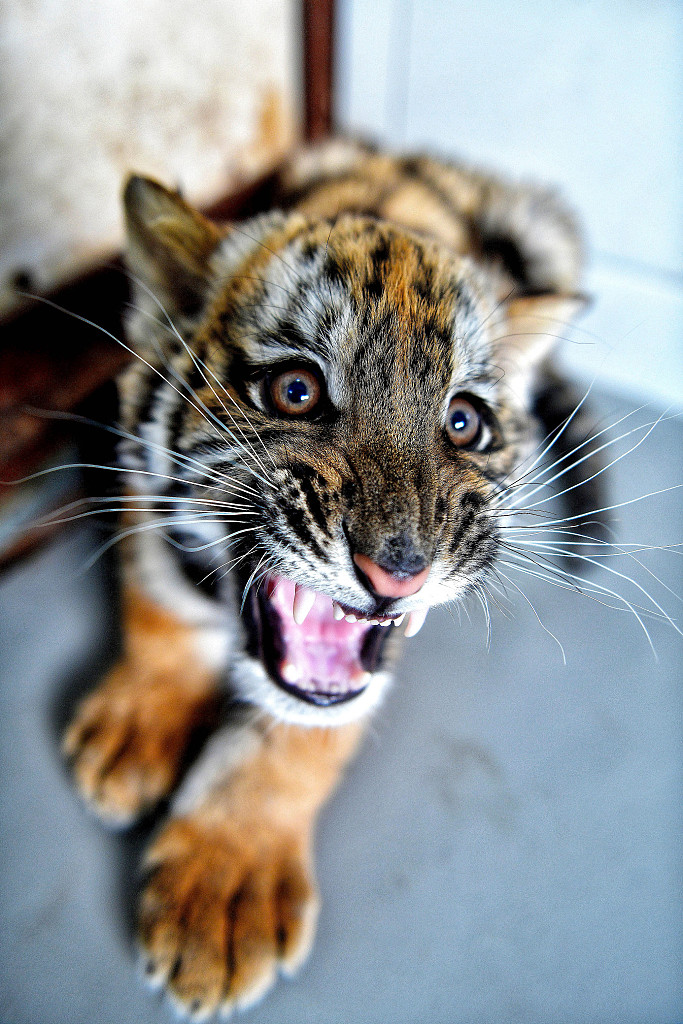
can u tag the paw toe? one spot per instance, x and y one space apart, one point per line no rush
216 922
298 905
252 945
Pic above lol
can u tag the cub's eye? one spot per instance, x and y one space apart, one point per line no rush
295 392
464 424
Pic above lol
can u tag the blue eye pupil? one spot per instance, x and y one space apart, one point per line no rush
297 392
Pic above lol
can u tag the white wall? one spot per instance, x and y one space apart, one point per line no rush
584 94
201 96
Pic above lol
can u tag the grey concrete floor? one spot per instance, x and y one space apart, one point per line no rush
506 848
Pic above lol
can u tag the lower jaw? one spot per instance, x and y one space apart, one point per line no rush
290 708
317 697
329 696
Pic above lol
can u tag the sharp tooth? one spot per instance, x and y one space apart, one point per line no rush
304 600
337 611
399 620
416 621
290 672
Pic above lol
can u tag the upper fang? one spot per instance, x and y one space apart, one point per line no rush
304 599
416 621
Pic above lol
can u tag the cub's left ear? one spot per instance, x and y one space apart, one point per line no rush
169 243
530 328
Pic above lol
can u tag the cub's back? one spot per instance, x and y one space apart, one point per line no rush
525 234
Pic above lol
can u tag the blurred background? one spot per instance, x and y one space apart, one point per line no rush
584 93
507 846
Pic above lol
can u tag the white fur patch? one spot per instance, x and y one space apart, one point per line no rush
157 573
226 751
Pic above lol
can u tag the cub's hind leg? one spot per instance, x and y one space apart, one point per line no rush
128 740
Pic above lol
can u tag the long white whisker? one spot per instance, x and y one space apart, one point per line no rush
212 543
599 472
552 440
110 469
624 550
621 551
232 563
481 597
264 558
540 621
628 579
607 508
201 366
177 457
162 524
521 482
565 584
587 588
199 514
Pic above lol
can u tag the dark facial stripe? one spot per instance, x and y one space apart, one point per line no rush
469 507
285 541
296 520
304 475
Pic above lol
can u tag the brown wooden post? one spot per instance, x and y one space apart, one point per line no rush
318 26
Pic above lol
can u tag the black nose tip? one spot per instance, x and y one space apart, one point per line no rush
400 556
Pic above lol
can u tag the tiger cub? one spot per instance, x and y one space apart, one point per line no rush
328 408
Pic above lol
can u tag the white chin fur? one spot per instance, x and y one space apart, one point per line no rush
251 682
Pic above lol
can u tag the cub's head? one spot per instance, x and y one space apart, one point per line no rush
333 412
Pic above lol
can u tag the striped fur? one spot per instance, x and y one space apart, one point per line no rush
400 282
329 411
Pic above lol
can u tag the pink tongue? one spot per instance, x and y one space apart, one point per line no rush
325 653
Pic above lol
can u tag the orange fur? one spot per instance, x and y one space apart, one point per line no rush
128 738
232 893
365 274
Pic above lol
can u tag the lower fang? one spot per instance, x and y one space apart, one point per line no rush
416 621
290 672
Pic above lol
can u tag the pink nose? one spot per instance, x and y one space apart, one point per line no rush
386 584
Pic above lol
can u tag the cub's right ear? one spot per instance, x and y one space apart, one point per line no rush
169 244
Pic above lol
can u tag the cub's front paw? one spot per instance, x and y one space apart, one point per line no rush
128 739
225 906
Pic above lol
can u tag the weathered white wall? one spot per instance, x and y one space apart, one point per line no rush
202 95
588 95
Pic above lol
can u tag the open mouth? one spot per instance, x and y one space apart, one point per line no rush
311 646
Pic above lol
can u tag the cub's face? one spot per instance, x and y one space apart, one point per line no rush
341 408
